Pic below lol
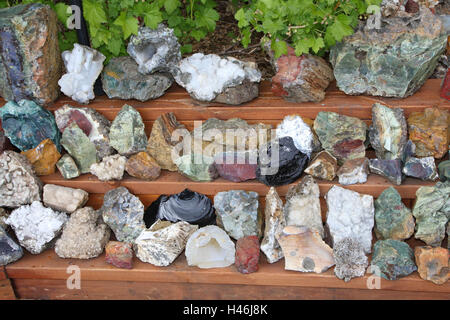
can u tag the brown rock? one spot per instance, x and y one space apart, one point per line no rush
43 158
324 166
143 166
354 171
432 264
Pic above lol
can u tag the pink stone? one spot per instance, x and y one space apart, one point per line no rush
235 171
119 254
445 91
247 254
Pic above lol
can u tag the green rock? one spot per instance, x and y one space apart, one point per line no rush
127 133
444 170
67 167
342 136
393 220
27 124
197 167
394 61
432 212
393 259
78 145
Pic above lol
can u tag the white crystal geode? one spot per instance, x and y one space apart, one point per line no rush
83 65
210 247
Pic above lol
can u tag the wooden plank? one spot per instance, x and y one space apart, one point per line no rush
131 290
6 290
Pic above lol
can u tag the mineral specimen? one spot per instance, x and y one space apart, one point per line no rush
432 264
163 242
429 132
247 254
127 133
9 250
143 166
341 136
363 62
94 125
119 254
389 132
208 77
444 170
78 145
111 168
18 183
239 213
63 198
189 206
421 168
354 171
324 166
67 167
31 63
122 80
197 167
43 158
351 261
393 7
304 250
27 124
445 90
303 205
210 247
123 213
83 65
36 226
350 215
392 259
390 169
4 214
95 235
155 49
280 162
160 144
236 166
274 225
393 220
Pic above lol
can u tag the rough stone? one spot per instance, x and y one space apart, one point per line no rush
4 214
210 247
67 167
43 158
10 251
94 125
239 213
209 78
83 66
155 50
119 254
111 168
363 62
354 171
27 124
189 206
350 215
127 133
78 145
392 259
197 167
163 243
236 166
390 169
122 80
444 170
304 250
393 220
31 64
302 206
351 261
247 254
123 213
432 264
280 162
393 8
341 136
429 132
18 183
143 166
86 222
63 198
324 166
421 168
36 226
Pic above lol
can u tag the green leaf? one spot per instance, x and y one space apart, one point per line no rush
340 30
279 47
187 48
240 17
318 44
171 5
130 25
246 37
63 12
207 18
115 45
94 12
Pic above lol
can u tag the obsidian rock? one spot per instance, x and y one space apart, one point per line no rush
286 168
189 206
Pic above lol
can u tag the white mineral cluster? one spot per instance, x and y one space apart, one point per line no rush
83 66
111 168
299 131
63 198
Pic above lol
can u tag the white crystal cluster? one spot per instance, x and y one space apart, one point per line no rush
299 131
111 168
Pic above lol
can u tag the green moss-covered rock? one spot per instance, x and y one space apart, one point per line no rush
197 167
67 167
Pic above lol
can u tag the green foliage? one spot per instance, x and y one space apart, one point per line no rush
310 26
112 22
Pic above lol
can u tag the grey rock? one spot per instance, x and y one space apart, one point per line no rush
10 251
351 261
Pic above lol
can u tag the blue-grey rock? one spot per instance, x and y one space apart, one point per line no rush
10 251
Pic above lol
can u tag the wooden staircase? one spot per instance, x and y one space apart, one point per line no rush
44 276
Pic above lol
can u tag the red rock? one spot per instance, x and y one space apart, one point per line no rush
445 91
247 254
235 171
119 254
80 119
411 6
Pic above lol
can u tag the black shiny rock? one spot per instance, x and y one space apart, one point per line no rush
390 169
189 206
280 162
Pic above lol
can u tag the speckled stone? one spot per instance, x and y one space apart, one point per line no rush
43 158
390 169
67 167
433 264
119 254
10 251
247 254
351 261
